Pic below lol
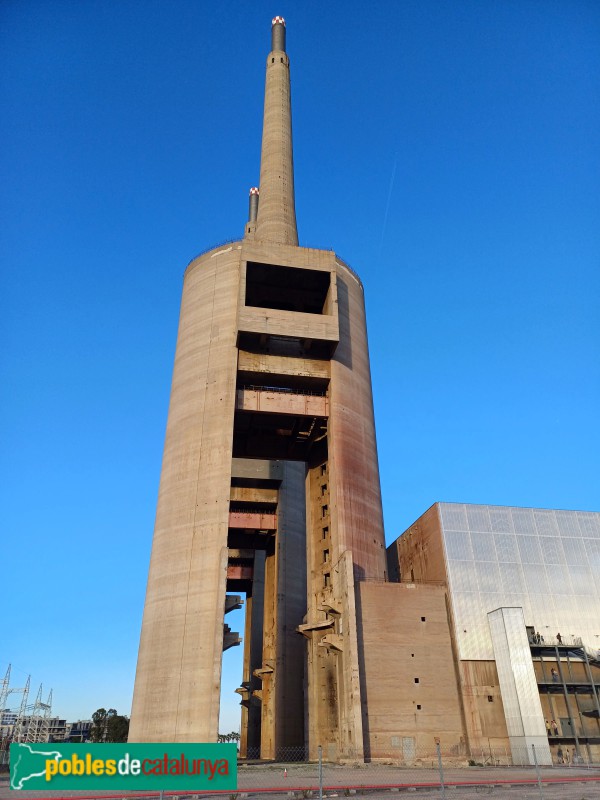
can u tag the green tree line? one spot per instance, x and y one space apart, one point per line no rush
108 726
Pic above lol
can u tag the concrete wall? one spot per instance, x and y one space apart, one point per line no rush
404 635
355 490
418 555
484 717
176 694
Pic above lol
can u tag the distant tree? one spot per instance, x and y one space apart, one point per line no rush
228 737
100 719
117 729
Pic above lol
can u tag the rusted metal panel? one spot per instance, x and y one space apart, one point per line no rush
240 572
261 522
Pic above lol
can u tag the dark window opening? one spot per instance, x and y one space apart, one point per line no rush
416 680
323 469
412 575
292 346
325 556
325 532
422 619
286 288
324 489
490 698
324 511
326 578
418 706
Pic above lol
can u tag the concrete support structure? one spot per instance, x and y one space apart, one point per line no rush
269 484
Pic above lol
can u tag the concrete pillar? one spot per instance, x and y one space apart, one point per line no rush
253 634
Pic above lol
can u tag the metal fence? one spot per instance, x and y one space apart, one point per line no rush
432 780
428 775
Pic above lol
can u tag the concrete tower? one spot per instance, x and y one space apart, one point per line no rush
269 483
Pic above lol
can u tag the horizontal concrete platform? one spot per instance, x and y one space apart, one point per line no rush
279 402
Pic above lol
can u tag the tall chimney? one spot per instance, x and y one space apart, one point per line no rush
253 204
252 213
276 221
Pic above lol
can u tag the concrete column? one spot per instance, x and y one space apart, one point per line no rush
267 673
291 605
253 632
334 696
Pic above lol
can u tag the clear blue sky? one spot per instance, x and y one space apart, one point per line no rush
449 151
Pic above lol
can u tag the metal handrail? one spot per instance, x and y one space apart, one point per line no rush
552 641
253 508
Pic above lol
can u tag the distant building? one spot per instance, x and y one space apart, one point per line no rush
7 721
80 731
7 717
37 728
495 631
57 729
50 730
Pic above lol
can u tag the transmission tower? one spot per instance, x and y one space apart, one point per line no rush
39 719
20 721
43 730
32 722
4 690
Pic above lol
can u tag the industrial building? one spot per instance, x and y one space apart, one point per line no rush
515 596
269 496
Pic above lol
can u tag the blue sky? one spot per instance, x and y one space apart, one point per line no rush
448 151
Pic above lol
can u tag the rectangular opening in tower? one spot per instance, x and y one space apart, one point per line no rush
287 288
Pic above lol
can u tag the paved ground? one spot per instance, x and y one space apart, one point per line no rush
374 781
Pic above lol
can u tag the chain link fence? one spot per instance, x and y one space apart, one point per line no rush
422 775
